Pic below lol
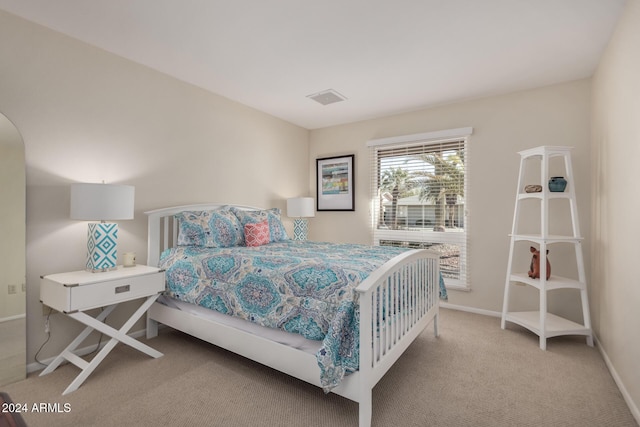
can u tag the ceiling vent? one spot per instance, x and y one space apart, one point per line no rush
327 97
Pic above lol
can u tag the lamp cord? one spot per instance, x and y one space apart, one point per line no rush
49 337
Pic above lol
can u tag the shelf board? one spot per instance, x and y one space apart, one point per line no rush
552 238
546 150
554 325
542 194
554 282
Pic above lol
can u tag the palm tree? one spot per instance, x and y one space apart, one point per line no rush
396 182
444 184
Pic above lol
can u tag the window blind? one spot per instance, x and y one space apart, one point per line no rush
418 194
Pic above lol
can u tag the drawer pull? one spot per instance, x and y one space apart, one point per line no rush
123 288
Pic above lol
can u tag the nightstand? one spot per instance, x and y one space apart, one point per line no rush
75 292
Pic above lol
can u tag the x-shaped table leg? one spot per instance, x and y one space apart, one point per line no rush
117 335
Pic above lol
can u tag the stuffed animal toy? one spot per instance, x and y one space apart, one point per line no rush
534 268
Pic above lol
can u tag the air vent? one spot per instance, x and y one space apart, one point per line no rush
327 97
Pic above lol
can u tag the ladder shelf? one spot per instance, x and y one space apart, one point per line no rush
541 322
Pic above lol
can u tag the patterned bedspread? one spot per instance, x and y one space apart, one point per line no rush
302 287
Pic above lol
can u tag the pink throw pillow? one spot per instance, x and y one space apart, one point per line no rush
257 234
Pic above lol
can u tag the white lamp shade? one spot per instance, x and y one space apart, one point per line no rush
102 202
300 207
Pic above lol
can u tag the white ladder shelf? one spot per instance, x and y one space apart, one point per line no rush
542 323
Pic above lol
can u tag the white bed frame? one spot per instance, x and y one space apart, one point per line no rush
419 300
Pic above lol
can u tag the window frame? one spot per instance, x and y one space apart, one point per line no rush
459 238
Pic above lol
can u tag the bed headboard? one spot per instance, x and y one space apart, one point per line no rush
162 226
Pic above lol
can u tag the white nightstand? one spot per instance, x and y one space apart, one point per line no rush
75 292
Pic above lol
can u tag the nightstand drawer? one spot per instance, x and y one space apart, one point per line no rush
73 297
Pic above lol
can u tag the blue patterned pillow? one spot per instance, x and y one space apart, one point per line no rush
226 229
219 228
277 231
191 231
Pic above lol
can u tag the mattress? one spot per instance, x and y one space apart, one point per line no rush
290 339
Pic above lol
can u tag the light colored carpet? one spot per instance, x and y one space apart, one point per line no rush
474 374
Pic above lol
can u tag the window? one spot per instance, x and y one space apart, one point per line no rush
419 188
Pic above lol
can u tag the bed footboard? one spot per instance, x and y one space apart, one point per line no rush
397 302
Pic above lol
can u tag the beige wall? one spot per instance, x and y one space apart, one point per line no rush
615 227
503 125
86 115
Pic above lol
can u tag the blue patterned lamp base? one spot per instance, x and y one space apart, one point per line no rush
102 239
300 229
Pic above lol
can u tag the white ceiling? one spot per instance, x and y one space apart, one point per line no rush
384 56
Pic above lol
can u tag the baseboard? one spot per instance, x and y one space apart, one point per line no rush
470 309
35 366
10 318
633 406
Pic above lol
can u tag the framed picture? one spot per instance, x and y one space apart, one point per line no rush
334 185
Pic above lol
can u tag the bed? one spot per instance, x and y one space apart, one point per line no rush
334 315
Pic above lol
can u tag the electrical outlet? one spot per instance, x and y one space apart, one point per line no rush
12 289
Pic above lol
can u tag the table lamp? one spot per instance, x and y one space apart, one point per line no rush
300 208
102 202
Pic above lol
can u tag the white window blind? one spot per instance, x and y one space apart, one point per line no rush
419 188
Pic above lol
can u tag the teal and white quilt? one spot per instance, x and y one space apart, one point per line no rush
302 287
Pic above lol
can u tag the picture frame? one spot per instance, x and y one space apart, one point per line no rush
335 179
